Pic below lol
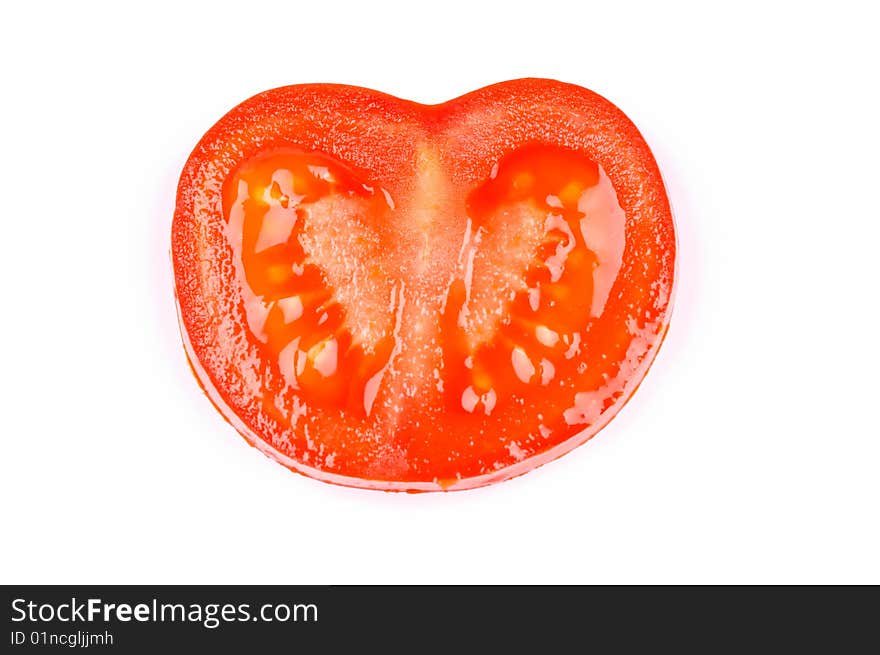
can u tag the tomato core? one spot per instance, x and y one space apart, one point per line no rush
318 287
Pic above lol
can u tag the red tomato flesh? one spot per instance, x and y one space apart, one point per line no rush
390 295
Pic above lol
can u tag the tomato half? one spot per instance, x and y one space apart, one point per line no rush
396 296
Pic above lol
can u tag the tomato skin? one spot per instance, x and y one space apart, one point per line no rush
400 144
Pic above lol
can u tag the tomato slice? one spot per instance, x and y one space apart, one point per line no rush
397 296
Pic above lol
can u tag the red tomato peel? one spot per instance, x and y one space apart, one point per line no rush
388 295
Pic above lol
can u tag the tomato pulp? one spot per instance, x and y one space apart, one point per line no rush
397 296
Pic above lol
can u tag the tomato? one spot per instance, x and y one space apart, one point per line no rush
395 296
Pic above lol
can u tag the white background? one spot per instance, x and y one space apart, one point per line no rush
751 451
